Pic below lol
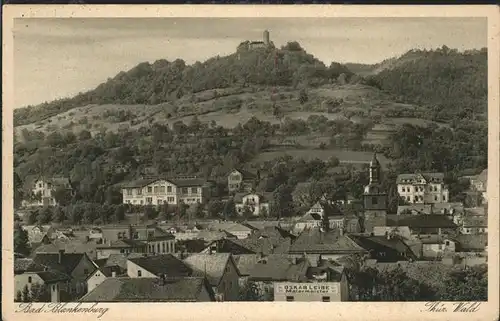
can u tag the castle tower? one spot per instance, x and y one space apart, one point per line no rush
266 37
374 199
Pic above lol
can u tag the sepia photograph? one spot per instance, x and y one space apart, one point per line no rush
250 159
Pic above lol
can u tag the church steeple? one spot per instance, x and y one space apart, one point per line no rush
374 170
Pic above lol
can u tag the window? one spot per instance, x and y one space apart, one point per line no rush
374 201
194 190
227 268
163 247
289 299
444 198
122 251
158 247
156 189
440 246
159 202
29 279
149 200
184 190
170 199
139 191
435 197
129 191
136 235
169 189
150 189
40 185
142 202
162 189
139 273
53 288
403 189
447 243
119 235
325 299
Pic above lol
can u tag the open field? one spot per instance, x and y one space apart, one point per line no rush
344 156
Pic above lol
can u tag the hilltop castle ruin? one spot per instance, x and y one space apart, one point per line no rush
259 44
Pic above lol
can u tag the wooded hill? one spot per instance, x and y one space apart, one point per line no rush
164 81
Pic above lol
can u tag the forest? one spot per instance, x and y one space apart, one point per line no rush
451 83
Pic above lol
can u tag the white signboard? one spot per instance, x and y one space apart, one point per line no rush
319 288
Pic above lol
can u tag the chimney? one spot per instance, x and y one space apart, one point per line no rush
61 252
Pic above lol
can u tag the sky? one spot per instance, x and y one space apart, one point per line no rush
58 58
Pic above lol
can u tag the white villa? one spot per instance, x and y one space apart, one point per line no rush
426 188
160 191
257 203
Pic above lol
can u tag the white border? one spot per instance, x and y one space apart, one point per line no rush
351 311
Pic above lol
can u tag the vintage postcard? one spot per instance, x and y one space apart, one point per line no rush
257 162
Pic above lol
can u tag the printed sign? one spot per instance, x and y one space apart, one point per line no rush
330 287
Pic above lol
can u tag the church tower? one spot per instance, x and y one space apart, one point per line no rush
266 38
374 198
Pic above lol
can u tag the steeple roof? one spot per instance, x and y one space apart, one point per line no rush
374 162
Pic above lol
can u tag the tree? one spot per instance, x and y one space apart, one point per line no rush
264 211
164 211
333 161
469 284
150 212
39 293
19 296
182 209
58 215
215 208
89 215
18 190
84 135
247 212
26 294
249 292
283 202
21 241
229 209
45 215
303 96
113 196
120 213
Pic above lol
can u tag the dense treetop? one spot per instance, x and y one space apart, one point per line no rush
454 85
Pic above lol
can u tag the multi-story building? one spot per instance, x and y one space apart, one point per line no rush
127 239
479 184
41 190
424 188
241 180
257 204
170 191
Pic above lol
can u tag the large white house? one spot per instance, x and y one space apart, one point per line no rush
160 191
424 188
